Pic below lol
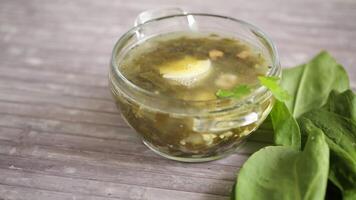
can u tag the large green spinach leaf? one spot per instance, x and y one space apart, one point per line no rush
342 103
286 129
341 137
320 83
279 172
310 84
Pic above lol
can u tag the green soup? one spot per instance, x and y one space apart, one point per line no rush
191 67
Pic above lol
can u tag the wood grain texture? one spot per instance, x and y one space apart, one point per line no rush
61 137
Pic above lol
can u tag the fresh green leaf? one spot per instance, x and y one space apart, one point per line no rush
341 137
349 194
311 83
272 83
279 172
236 92
280 127
343 104
265 173
287 134
286 129
224 93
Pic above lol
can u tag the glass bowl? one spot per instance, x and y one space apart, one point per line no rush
182 130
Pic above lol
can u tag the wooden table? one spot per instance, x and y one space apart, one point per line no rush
61 137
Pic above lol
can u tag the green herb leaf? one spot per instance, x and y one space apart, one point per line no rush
224 93
311 83
272 83
343 104
279 172
341 137
236 92
286 129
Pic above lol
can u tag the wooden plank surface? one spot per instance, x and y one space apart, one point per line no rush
61 136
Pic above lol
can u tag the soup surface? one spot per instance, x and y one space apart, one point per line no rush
192 66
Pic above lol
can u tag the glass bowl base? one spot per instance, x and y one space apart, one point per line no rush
195 159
